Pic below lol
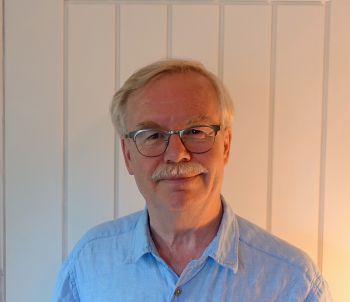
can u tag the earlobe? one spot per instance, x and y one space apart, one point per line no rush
127 156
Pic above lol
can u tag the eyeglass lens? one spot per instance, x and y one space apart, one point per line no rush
152 142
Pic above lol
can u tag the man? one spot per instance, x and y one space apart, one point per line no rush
174 118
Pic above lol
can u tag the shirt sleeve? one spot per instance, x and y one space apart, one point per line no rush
319 291
65 290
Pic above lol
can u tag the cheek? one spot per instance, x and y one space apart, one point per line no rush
144 168
215 164
143 178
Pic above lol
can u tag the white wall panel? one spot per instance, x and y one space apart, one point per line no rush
297 125
143 37
246 75
90 135
33 147
143 40
195 33
336 251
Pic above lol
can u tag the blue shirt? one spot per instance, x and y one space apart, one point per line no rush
117 261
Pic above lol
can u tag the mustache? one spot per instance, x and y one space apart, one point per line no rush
166 171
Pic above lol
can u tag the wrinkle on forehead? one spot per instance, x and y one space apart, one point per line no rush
200 78
202 119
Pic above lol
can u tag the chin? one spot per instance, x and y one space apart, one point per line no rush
181 200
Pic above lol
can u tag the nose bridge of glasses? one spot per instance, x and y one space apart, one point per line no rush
176 150
175 133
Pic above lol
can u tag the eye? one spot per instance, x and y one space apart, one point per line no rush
152 135
149 137
196 133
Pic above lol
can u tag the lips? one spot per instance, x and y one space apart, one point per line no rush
179 178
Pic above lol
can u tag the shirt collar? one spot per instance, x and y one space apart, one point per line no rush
142 241
223 248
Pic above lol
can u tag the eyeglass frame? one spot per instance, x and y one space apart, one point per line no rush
132 135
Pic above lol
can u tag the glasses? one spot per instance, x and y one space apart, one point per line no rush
154 142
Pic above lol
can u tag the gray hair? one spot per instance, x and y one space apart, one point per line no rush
143 76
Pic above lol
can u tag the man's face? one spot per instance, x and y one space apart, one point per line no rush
174 102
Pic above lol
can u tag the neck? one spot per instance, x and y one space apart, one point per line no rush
183 236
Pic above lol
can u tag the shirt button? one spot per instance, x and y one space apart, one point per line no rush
177 291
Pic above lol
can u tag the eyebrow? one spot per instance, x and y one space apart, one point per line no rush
197 120
148 125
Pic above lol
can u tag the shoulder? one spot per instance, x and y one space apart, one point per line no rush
266 254
112 228
262 243
116 235
109 240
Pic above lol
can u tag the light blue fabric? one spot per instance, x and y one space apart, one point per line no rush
117 261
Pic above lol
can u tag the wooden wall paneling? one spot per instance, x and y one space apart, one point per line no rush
195 33
33 147
143 30
89 132
143 39
58 146
336 262
247 47
297 125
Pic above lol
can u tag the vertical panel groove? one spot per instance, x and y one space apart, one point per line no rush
169 32
65 137
324 133
221 41
2 164
271 117
117 85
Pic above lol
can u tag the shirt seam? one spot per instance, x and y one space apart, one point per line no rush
315 287
299 267
115 232
73 284
90 241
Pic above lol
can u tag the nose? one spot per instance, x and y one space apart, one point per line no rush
176 151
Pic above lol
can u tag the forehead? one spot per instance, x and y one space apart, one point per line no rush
171 99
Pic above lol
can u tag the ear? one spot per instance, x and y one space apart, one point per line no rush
227 144
127 155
